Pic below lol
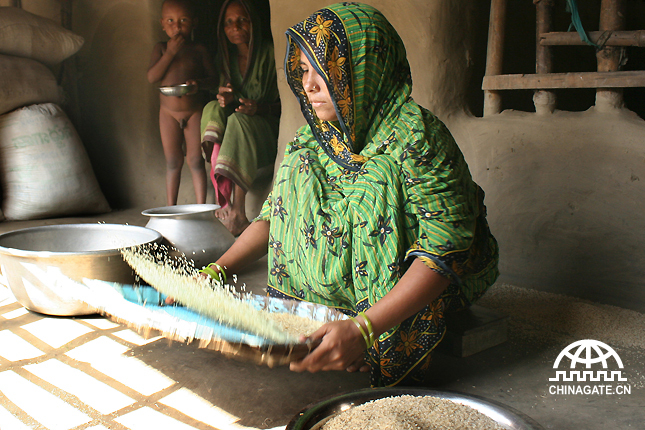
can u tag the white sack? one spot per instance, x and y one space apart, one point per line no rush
44 169
24 82
24 34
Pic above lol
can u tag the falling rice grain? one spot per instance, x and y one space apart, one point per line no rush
175 278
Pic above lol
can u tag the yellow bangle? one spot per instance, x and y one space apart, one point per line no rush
365 337
370 329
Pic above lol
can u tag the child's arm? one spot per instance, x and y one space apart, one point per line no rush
160 59
210 79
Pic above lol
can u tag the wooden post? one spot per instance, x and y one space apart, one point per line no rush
544 101
495 53
612 17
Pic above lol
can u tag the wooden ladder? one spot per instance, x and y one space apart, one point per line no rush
607 80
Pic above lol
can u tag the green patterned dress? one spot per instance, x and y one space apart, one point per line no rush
356 200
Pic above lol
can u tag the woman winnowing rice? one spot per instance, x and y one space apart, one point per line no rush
373 210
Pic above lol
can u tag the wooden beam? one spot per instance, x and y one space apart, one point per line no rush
544 101
495 53
544 18
612 18
614 38
627 79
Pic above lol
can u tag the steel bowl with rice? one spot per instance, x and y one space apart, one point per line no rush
33 261
317 415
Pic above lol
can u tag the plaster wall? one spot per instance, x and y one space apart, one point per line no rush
565 191
120 108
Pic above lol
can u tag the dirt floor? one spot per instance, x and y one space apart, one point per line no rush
88 372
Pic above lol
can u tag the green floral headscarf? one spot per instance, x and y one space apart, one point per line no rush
363 61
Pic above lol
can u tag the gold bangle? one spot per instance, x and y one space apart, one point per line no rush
370 329
365 338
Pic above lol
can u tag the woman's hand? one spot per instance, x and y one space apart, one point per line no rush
225 95
247 107
342 347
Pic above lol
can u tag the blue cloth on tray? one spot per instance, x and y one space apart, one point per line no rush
206 328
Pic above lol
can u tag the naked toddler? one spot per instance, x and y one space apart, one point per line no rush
181 61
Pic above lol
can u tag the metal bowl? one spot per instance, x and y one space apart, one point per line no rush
177 90
33 261
315 415
193 230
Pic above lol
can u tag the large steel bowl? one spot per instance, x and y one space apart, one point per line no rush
33 259
193 230
315 415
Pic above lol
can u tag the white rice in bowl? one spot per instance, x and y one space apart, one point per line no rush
409 412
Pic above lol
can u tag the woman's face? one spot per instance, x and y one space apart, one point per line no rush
317 91
237 24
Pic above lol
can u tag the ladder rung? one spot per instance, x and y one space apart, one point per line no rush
624 79
616 38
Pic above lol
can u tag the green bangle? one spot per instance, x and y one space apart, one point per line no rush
365 338
370 329
218 275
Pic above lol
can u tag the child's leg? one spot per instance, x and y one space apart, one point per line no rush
194 156
171 138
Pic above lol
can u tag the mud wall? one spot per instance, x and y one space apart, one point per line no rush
565 191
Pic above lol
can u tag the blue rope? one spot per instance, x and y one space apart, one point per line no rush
572 8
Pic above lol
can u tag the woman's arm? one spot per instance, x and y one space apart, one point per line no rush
252 244
342 343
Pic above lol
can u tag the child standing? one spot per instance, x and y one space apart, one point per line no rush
175 62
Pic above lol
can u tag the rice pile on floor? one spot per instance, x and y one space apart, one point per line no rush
548 316
176 277
411 413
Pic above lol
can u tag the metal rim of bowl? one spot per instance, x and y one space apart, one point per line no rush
311 416
181 89
180 210
176 86
155 237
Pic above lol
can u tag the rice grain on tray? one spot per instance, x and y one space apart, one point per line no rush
182 281
409 412
295 324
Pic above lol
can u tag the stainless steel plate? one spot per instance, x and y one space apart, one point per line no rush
315 415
